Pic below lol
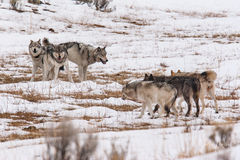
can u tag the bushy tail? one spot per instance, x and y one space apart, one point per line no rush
209 75
45 41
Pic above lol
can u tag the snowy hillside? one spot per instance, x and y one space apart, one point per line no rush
142 36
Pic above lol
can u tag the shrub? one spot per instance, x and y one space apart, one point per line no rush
63 143
35 2
15 5
222 136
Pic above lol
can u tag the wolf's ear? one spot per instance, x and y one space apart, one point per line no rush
105 47
179 71
39 41
98 49
172 73
31 41
145 76
151 77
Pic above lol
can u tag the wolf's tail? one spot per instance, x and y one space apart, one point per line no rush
209 75
45 41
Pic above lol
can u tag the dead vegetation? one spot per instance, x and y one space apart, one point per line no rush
31 96
198 14
122 108
22 117
132 20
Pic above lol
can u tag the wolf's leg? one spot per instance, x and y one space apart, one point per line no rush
85 73
51 74
46 69
142 111
80 71
161 110
188 101
175 109
196 99
212 95
203 103
180 104
56 70
68 72
34 69
150 109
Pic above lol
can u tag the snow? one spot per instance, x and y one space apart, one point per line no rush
140 35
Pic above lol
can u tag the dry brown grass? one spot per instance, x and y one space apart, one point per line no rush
108 94
18 123
6 79
135 21
197 14
120 32
31 96
122 108
127 127
36 133
23 116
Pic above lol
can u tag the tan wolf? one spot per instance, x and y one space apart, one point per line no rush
149 93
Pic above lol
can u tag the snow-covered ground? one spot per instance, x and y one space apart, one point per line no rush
142 36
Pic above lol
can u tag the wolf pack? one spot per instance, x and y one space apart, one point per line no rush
158 91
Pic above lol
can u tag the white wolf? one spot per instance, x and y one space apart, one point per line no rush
36 52
149 93
55 58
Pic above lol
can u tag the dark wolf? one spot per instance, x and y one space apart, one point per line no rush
187 87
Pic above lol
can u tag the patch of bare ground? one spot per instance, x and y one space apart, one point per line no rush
121 77
120 32
108 94
122 108
230 37
132 20
89 25
31 96
24 116
5 79
127 127
18 123
33 133
197 14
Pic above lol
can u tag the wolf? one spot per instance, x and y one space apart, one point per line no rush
37 52
206 79
187 87
55 58
84 55
148 93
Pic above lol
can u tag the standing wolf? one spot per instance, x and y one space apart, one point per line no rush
37 52
55 58
187 87
207 79
84 55
148 93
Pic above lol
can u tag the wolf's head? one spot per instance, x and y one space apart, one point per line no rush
59 53
148 77
35 48
129 91
101 55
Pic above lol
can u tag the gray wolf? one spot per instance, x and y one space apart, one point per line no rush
148 93
206 79
55 58
187 87
37 52
84 55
